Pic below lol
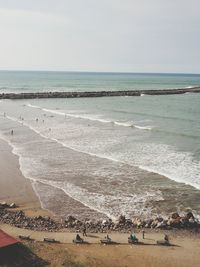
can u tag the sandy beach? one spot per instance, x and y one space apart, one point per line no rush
14 187
184 251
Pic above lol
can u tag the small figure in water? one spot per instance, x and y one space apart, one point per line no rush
4 114
12 132
37 119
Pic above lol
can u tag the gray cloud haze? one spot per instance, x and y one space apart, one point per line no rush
100 35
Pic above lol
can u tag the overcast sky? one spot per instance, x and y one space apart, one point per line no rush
100 35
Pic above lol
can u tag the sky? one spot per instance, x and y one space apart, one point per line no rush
100 35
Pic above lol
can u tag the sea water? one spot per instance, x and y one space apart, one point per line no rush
102 157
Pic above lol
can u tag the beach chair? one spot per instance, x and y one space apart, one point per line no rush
51 240
23 237
163 243
107 241
133 241
77 241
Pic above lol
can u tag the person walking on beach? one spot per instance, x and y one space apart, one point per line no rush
84 231
166 238
143 232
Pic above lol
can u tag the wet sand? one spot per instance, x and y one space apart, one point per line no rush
14 187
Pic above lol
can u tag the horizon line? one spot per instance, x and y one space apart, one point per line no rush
98 72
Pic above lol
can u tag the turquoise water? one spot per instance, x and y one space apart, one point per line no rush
74 81
101 157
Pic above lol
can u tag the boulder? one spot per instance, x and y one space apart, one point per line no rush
121 219
4 205
161 225
12 205
175 215
189 216
174 222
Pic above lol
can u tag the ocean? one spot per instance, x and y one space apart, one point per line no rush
103 157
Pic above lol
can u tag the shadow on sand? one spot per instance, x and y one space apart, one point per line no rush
20 256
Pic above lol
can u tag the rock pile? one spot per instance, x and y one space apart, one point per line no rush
4 205
98 93
187 221
19 219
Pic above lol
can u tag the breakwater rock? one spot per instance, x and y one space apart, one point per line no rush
41 223
98 93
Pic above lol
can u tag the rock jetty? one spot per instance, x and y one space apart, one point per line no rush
40 223
98 93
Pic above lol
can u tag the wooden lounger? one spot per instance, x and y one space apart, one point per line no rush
78 241
23 237
107 242
51 240
163 243
130 241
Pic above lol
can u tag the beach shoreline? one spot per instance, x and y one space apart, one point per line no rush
14 187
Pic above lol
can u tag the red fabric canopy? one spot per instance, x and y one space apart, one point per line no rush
6 240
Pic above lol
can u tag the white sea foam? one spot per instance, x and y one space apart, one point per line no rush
106 204
144 127
175 165
162 159
125 124
33 106
94 118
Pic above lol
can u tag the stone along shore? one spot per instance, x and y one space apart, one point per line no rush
18 219
98 93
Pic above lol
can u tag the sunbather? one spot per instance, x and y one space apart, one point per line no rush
133 238
78 238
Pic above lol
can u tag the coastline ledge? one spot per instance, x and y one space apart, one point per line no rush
79 94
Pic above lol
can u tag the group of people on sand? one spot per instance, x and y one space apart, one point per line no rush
131 239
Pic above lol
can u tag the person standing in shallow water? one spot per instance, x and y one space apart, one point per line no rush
12 132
